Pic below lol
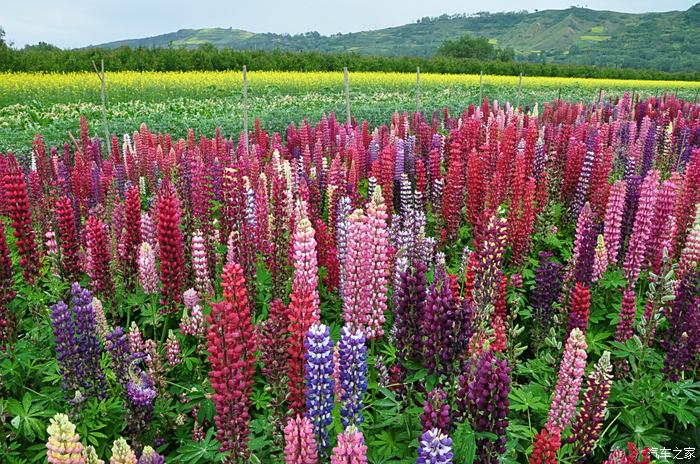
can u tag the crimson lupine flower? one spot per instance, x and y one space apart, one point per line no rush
299 444
170 241
580 303
545 447
487 402
435 447
7 292
99 258
132 240
588 424
351 448
563 407
68 237
18 208
436 412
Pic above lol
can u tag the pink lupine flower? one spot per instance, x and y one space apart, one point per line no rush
172 350
691 252
636 250
356 283
600 259
378 253
199 264
351 448
566 393
300 446
613 219
148 275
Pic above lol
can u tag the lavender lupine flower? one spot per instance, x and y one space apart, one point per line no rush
587 426
584 246
583 186
613 219
436 412
566 393
190 298
435 447
148 230
117 346
319 382
351 448
148 274
352 354
487 399
548 281
150 456
341 232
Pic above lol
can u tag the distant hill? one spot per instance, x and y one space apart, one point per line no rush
667 41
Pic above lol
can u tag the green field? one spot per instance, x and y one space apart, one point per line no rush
51 104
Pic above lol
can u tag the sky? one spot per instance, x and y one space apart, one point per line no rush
78 23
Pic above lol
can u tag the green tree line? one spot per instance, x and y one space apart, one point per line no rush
48 58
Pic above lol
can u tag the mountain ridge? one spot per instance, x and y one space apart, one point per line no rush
668 41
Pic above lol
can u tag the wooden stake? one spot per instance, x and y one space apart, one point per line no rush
245 107
418 89
520 88
101 76
481 88
347 97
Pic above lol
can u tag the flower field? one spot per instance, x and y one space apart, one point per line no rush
50 104
476 285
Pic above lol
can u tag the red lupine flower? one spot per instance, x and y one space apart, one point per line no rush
231 348
99 258
68 237
171 246
17 200
133 232
580 302
545 447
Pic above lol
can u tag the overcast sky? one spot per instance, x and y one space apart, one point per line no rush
77 23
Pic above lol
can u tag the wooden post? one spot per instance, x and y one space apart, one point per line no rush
600 96
520 87
418 89
559 97
696 95
245 107
481 88
347 97
101 76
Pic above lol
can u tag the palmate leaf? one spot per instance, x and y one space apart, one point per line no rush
207 450
464 444
28 417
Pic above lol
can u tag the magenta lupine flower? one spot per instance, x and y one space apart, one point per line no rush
299 444
356 282
626 318
436 412
583 256
435 447
148 274
199 264
636 251
600 260
613 219
351 448
378 265
566 393
587 426
172 350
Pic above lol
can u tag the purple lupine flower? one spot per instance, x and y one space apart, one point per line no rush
584 246
587 426
629 212
436 412
352 354
491 256
583 186
151 456
487 393
435 447
625 322
548 281
319 382
682 340
411 295
66 348
117 346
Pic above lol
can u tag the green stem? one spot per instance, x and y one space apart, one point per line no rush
165 330
154 307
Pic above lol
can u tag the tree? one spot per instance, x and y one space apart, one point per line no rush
468 47
2 38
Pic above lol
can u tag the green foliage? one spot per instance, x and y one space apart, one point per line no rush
467 47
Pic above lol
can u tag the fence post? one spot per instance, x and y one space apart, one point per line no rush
520 87
347 97
101 76
696 95
245 107
417 89
481 88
